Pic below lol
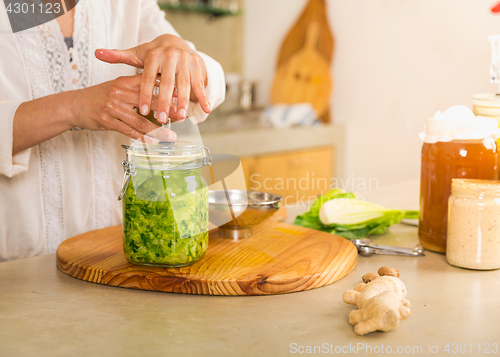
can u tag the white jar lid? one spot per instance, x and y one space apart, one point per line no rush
486 100
458 123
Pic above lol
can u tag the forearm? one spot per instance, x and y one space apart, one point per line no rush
39 120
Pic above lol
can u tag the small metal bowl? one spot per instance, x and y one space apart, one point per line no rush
236 212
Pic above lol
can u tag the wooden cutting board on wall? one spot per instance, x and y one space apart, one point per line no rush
303 70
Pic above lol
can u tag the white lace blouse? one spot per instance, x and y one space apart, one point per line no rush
69 184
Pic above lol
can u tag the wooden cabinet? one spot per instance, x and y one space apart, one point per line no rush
296 175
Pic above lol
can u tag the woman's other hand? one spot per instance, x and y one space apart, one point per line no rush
181 69
111 106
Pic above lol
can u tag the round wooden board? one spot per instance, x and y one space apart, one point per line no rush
278 258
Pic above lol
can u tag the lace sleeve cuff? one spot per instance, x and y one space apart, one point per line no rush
10 165
216 88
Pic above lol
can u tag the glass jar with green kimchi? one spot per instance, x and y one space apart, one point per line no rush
165 204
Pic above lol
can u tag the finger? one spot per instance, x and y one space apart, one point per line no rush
131 98
136 121
129 56
167 85
183 88
198 85
128 93
164 134
149 139
129 82
155 136
173 114
147 85
127 130
144 125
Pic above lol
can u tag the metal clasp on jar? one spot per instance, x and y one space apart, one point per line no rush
126 178
208 156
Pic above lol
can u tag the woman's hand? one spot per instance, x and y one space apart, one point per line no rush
111 106
179 66
106 106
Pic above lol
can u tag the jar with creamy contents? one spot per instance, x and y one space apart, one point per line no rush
474 224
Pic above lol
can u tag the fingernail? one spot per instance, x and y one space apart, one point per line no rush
182 113
208 105
163 117
171 136
150 139
144 110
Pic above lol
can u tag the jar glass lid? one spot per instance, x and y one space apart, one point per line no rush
178 155
151 154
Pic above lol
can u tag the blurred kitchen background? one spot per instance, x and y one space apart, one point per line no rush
395 63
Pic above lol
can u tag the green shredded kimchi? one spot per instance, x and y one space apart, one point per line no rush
165 218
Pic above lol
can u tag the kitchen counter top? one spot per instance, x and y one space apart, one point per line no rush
44 312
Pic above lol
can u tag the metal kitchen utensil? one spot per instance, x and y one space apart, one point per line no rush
368 242
236 212
368 246
368 252
419 248
409 222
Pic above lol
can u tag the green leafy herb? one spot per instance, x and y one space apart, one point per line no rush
341 213
165 217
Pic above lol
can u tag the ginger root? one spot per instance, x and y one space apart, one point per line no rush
381 302
386 271
369 277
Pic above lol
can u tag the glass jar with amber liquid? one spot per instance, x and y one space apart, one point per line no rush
442 162
457 144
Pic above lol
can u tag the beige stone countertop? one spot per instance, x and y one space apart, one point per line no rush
44 312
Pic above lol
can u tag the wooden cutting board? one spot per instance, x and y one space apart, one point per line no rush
303 70
314 11
278 258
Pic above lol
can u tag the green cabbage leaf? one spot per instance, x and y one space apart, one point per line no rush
341 213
